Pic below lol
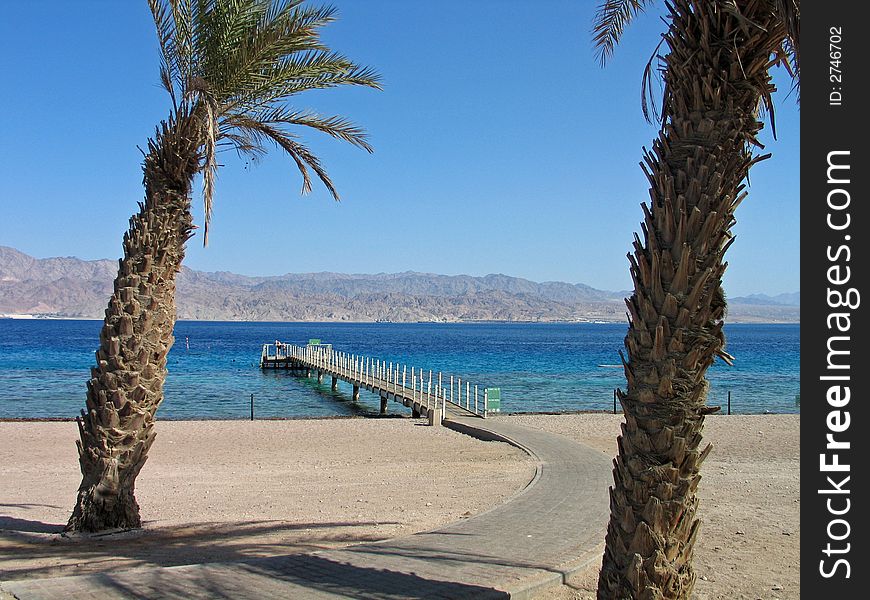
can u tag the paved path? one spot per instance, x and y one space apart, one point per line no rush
552 527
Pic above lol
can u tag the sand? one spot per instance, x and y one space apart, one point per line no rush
225 490
750 504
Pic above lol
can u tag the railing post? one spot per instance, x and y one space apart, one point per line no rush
485 402
475 399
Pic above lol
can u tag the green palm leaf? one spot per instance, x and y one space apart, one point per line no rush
235 65
610 22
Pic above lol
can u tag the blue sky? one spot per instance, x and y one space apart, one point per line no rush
501 146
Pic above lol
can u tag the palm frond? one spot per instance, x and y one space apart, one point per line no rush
647 98
609 24
234 64
295 27
296 149
295 74
243 145
183 17
335 126
174 22
304 158
263 36
790 14
209 168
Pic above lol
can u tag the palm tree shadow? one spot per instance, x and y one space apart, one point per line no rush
28 526
287 576
32 549
231 560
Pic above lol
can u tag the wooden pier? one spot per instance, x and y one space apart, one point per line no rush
426 393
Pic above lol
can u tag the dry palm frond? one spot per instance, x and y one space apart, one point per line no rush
790 13
209 168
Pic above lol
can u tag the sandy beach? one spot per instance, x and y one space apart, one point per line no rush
225 490
750 504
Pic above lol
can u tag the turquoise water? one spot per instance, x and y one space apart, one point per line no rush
213 367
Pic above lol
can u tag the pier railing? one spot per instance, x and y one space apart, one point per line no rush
427 389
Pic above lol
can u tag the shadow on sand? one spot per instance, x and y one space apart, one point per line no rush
260 558
31 549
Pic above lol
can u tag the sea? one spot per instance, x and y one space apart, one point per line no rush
539 367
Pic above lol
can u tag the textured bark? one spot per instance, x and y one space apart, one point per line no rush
716 72
126 385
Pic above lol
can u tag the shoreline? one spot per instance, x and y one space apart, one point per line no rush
45 317
375 416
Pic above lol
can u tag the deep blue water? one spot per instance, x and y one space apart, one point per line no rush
213 367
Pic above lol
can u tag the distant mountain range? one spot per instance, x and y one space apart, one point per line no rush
74 288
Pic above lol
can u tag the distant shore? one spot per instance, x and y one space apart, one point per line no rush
225 490
53 317
372 416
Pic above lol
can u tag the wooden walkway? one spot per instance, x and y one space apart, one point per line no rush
429 394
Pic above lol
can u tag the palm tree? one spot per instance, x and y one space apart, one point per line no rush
230 67
716 81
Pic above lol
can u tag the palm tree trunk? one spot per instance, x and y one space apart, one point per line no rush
126 385
716 73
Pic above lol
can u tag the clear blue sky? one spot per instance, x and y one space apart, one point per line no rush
501 146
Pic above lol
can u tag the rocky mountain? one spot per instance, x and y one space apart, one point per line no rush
793 299
74 288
